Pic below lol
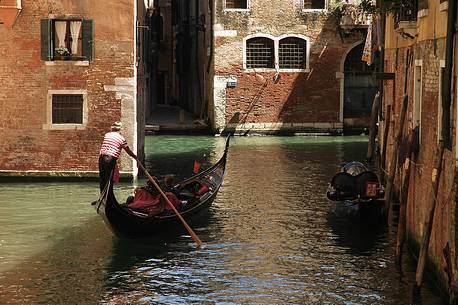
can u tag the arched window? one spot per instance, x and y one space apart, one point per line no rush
292 53
260 53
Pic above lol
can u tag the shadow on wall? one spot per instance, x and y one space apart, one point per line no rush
294 97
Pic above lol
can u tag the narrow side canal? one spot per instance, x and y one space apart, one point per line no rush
271 236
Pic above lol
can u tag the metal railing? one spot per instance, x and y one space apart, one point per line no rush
407 11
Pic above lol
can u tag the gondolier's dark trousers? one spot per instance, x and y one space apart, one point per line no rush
106 169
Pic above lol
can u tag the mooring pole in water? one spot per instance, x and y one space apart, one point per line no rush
403 200
394 158
386 130
373 127
452 198
435 177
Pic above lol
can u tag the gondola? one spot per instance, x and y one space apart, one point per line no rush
356 190
125 222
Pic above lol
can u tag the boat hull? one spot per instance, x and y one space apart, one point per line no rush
125 222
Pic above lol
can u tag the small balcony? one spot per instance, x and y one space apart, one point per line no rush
353 17
405 19
9 11
407 12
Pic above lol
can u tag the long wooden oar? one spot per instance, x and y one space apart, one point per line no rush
188 228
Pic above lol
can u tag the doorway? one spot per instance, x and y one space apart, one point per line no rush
360 87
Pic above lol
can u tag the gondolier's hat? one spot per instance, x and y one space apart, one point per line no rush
116 125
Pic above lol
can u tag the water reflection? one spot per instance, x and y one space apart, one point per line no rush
271 236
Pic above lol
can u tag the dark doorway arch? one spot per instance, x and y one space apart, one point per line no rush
360 87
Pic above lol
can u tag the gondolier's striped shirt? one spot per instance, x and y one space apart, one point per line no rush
112 144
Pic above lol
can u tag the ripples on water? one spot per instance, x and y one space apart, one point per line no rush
271 236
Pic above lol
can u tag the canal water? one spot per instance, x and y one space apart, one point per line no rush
271 236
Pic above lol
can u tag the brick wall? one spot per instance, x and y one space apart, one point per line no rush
25 80
430 53
299 100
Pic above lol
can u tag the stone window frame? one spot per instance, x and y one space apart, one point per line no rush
72 126
248 5
276 40
326 6
271 53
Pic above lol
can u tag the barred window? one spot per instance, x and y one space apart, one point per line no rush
314 4
292 53
236 4
67 109
259 53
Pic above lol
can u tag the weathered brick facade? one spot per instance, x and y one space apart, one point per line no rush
31 144
305 101
427 51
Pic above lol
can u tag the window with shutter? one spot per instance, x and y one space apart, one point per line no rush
46 53
66 39
236 4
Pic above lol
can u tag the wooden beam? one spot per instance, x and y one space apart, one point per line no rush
373 127
394 157
424 245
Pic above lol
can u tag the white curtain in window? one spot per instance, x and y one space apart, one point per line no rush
61 29
75 27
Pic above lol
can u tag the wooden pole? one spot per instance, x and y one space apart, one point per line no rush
385 140
373 127
403 201
452 198
394 157
188 228
435 176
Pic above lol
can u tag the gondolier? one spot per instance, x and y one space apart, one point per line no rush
127 222
113 143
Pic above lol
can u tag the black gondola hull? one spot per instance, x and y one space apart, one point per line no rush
127 223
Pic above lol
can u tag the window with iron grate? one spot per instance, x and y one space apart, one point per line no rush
314 4
260 53
292 53
236 4
67 109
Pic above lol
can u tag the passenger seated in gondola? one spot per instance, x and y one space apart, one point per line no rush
194 189
169 187
177 203
147 200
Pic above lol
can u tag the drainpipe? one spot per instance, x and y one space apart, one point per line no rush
447 77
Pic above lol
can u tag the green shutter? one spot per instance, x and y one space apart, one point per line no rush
88 39
46 39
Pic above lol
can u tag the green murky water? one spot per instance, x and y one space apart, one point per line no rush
271 236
